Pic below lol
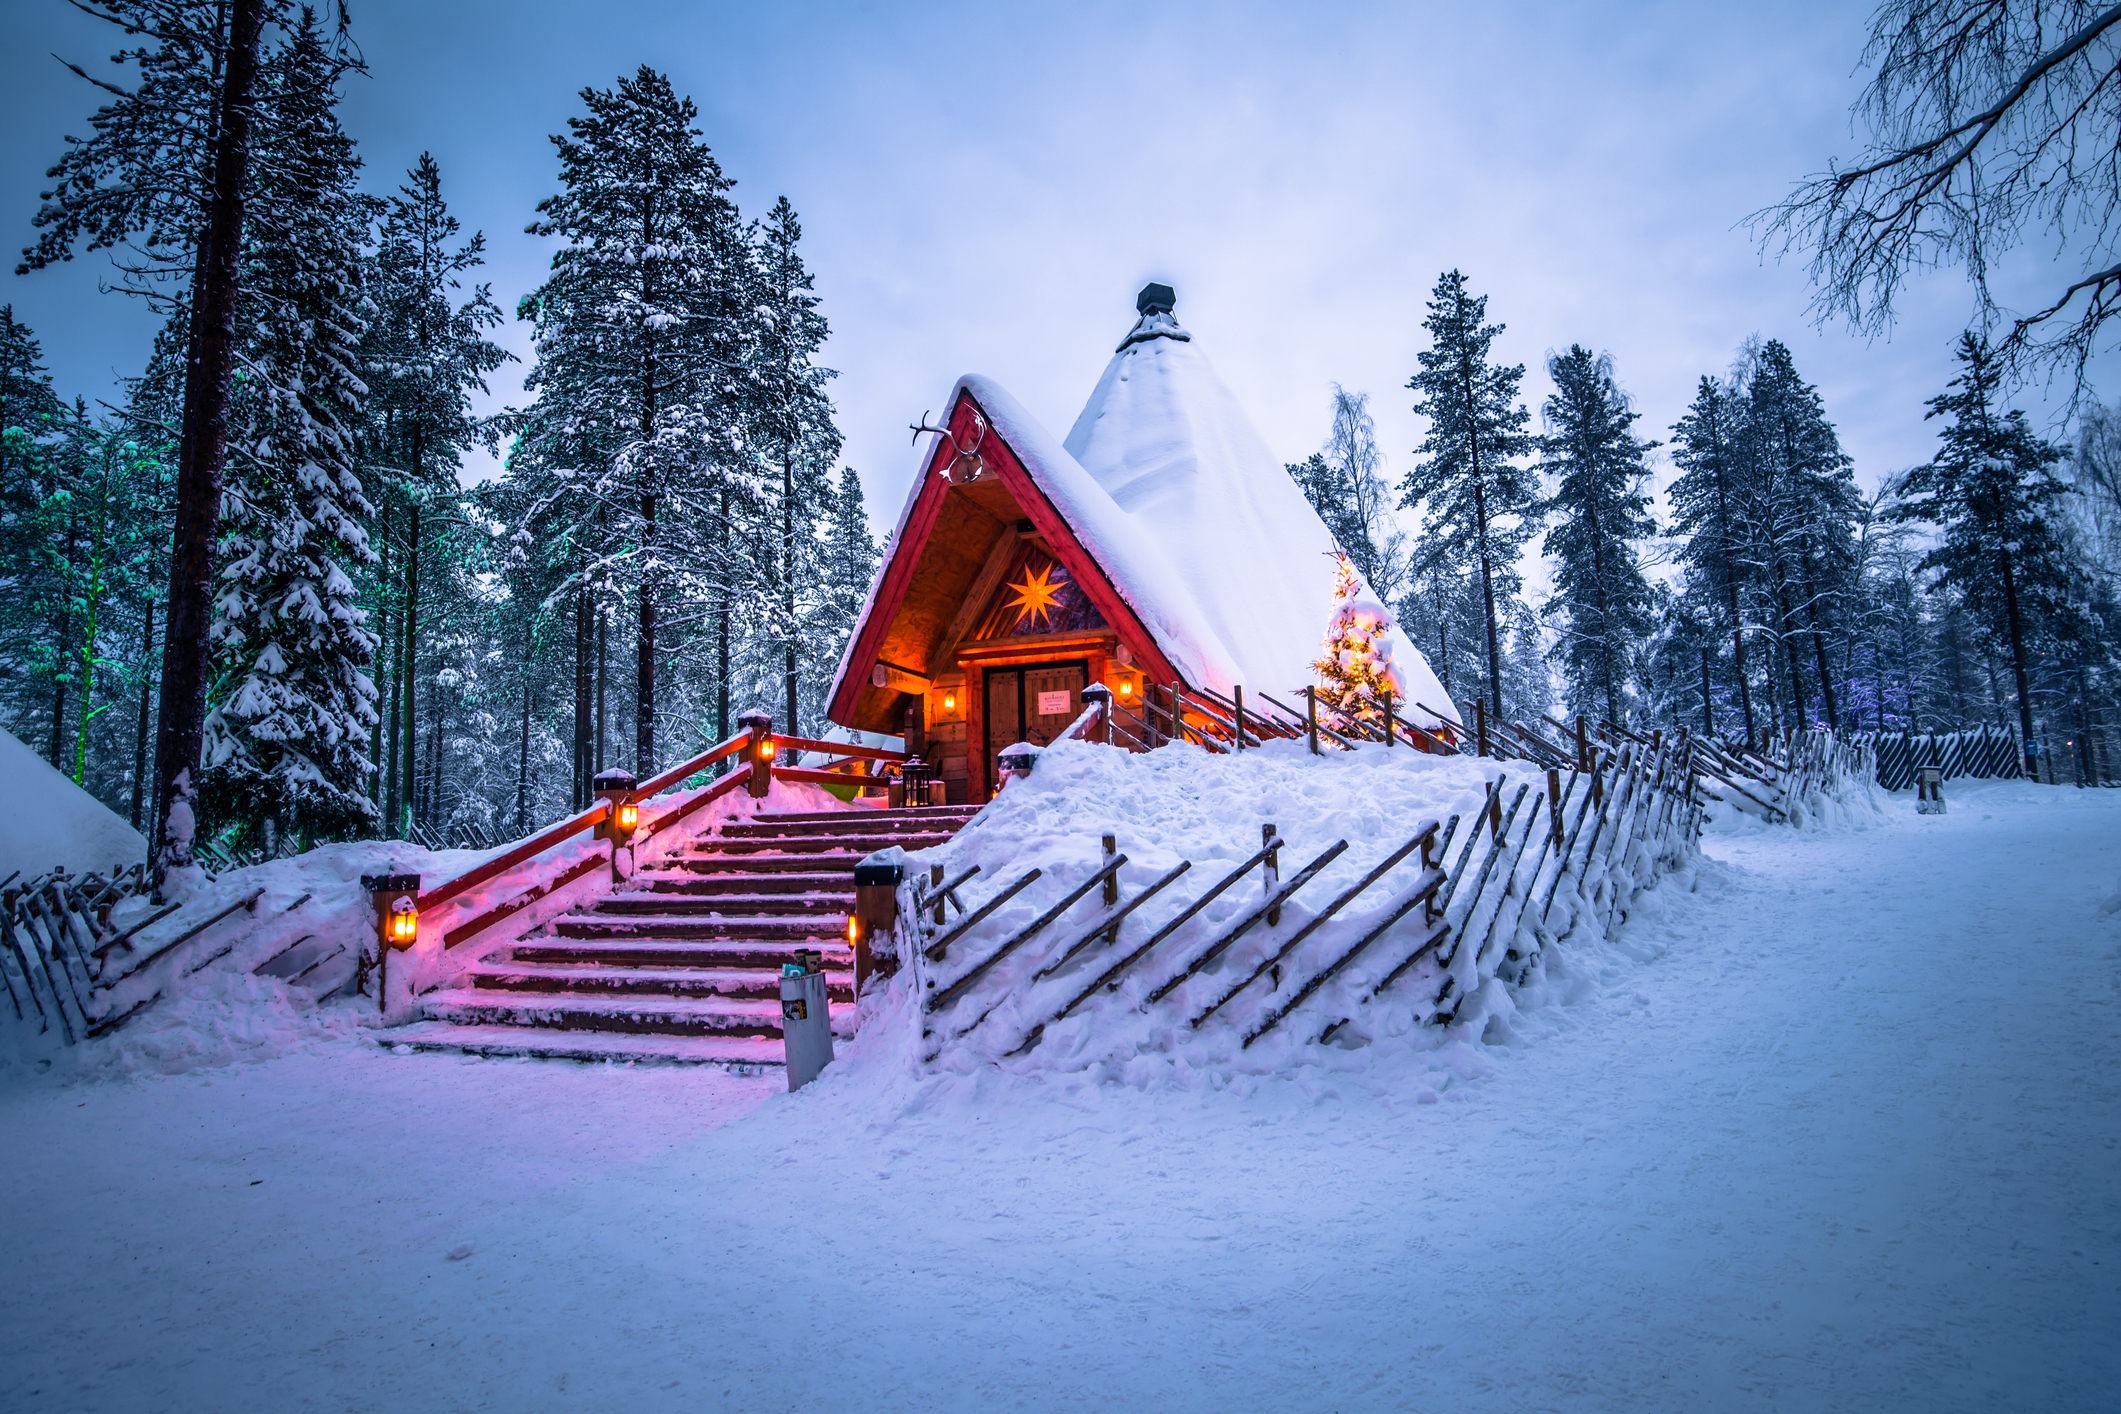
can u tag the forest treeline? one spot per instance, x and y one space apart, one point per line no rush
381 649
1775 594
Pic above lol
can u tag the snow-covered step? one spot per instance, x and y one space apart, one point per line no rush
747 983
954 815
503 1042
683 926
840 864
652 952
679 1016
672 904
837 887
823 844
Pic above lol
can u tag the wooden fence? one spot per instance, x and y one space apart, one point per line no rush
1558 851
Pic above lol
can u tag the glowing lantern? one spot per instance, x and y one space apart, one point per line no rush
1126 689
404 923
766 749
629 816
949 702
854 929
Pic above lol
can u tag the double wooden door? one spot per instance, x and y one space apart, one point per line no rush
1034 702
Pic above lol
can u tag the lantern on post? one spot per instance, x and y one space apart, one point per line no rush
758 751
397 902
615 789
875 913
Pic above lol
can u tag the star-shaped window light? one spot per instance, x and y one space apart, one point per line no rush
1035 597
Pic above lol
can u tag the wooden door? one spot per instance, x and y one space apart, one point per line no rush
1033 703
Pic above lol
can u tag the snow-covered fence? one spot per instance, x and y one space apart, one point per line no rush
1357 941
1983 752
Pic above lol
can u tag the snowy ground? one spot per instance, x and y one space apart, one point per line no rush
1841 1134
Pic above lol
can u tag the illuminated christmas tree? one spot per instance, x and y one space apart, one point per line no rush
1355 666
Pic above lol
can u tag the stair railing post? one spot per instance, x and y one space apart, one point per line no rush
1311 717
758 752
1385 695
615 788
396 898
1100 696
1480 724
875 914
1239 699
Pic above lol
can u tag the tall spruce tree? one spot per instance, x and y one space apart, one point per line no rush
640 315
1707 501
425 353
286 742
791 434
1993 493
1803 497
1599 509
1481 504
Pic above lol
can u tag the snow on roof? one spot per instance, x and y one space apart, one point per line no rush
1164 436
1200 529
47 821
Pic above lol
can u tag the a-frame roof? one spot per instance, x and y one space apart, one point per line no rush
1165 506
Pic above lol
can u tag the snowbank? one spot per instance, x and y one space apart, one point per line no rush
286 965
1183 804
47 822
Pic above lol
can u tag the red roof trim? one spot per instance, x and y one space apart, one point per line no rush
920 524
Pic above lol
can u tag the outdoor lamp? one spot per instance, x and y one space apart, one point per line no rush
629 816
949 702
1126 689
766 749
854 929
404 923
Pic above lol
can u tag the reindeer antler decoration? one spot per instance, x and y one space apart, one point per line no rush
966 465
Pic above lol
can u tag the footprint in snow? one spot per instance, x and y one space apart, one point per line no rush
458 1253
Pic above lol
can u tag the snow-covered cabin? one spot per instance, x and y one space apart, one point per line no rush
1162 542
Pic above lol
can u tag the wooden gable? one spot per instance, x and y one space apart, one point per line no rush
938 616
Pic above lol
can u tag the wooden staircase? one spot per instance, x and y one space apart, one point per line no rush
683 963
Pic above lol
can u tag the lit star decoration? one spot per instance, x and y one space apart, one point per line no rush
1036 596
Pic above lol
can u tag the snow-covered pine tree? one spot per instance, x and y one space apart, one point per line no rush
641 315
1993 493
1802 497
849 562
1707 500
1354 664
790 433
1480 503
286 740
424 354
164 183
1598 509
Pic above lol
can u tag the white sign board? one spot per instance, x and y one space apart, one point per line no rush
1052 704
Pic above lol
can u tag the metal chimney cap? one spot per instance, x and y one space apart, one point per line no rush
1156 298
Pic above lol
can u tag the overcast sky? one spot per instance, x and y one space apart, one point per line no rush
984 188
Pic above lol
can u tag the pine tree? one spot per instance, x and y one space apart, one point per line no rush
1480 503
849 560
640 315
1354 665
1803 495
424 354
285 746
1993 493
1599 509
791 432
1707 499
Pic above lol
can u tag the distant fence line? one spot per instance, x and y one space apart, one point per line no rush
1981 752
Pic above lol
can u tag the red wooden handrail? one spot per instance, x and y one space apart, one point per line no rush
693 767
841 748
502 863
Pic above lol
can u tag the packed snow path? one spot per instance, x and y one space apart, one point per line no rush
1842 1134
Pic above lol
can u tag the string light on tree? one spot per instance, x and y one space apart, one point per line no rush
1355 664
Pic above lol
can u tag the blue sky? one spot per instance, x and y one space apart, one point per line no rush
985 187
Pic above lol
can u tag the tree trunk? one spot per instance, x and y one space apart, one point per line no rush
603 673
434 757
580 790
794 728
1708 707
147 655
2025 697
523 750
1480 520
56 753
721 625
408 657
203 450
